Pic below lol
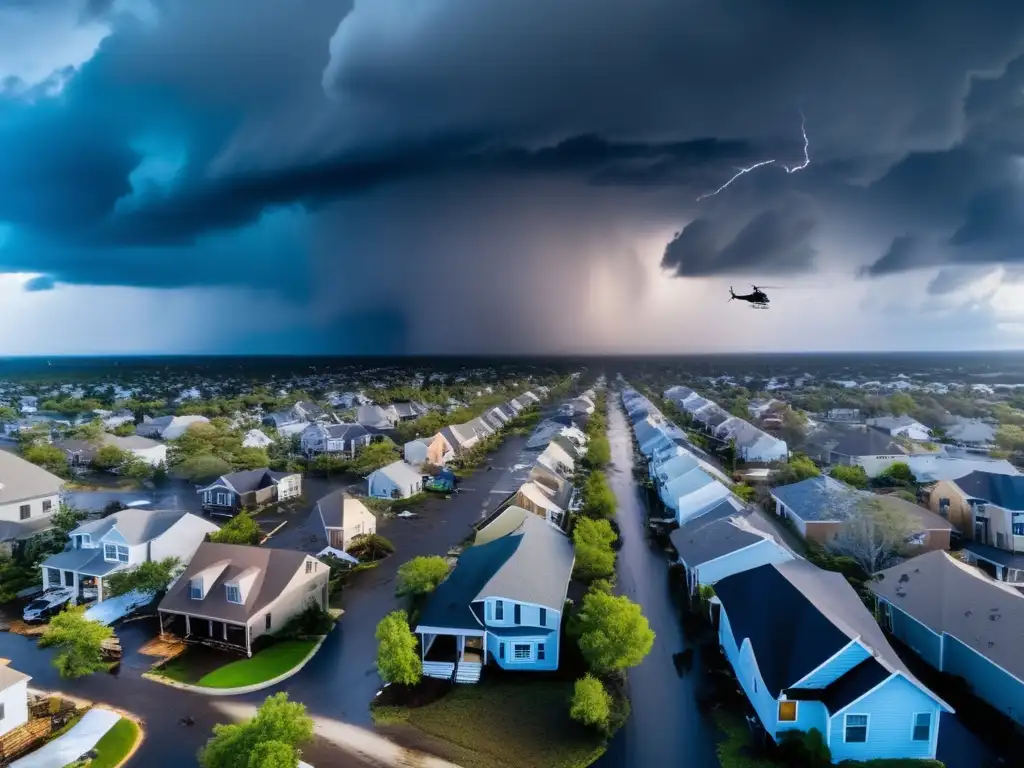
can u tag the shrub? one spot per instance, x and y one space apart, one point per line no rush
420 576
370 547
397 658
591 704
312 622
241 529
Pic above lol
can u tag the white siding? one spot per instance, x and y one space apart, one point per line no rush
12 511
182 539
15 706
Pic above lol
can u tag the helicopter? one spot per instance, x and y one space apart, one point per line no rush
758 299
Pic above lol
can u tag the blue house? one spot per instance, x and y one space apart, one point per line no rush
502 603
808 654
961 622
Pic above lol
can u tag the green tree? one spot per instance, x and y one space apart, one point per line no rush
851 475
149 576
49 457
7 414
136 467
745 493
397 658
241 529
591 704
420 576
374 456
900 403
80 641
109 457
899 472
92 431
798 468
599 452
1010 437
612 632
201 469
264 741
595 558
66 519
125 430
598 497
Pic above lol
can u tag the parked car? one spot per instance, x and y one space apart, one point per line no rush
47 605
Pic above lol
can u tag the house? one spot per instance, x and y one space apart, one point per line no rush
759 408
820 506
459 437
843 414
711 414
933 467
28 404
971 432
434 450
28 497
256 438
81 453
167 427
678 394
988 511
97 548
344 517
230 594
408 411
334 438
754 445
397 480
808 654
694 404
869 448
249 489
13 699
375 418
961 622
117 418
901 426
727 539
548 501
502 602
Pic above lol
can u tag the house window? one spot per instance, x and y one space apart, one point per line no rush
855 729
1018 525
923 726
222 499
540 652
47 506
195 589
501 650
499 610
24 511
234 594
787 711
267 621
543 617
521 651
517 613
207 497
115 553
309 566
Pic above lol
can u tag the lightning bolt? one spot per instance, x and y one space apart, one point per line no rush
755 166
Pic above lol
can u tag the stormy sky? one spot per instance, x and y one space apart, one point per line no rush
457 176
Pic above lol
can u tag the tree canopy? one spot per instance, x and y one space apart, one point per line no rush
595 558
398 660
80 641
591 703
598 497
149 576
420 576
875 534
207 450
851 475
613 634
49 457
271 739
241 529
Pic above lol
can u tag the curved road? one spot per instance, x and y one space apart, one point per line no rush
336 685
665 727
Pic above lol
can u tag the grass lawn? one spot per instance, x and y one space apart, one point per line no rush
115 744
504 724
263 666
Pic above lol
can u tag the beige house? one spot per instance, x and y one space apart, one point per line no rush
434 450
344 517
230 594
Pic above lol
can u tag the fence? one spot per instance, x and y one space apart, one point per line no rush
45 718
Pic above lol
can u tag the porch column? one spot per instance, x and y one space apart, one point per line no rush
461 644
99 590
248 644
46 578
423 653
160 618
225 624
188 626
75 586
210 621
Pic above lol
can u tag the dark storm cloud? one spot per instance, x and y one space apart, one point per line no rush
953 279
333 106
775 241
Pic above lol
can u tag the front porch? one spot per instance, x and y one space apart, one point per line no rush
457 655
201 630
86 587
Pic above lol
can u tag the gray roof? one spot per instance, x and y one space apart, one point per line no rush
539 569
250 480
334 505
346 431
372 416
20 479
819 499
714 534
89 562
1005 491
11 530
400 472
950 597
866 442
275 569
10 676
135 525
130 443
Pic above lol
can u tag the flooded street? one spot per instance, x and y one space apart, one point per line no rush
665 727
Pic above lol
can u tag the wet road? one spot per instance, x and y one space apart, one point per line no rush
665 727
337 683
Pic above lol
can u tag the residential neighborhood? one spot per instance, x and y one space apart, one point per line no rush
288 539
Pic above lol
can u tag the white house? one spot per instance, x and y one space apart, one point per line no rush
344 517
255 438
397 480
901 426
334 438
82 452
28 496
13 699
127 538
168 427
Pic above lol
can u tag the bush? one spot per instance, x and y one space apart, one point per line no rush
853 475
591 704
598 498
420 576
805 749
312 622
745 493
593 540
241 529
370 547
599 452
397 658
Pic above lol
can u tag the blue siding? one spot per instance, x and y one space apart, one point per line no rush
809 714
529 617
891 709
762 553
917 637
832 670
113 536
549 663
744 665
989 683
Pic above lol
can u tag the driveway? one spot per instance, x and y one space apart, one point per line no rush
337 684
665 727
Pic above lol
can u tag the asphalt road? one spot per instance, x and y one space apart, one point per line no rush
337 684
665 727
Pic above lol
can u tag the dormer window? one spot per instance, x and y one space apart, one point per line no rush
234 594
115 553
195 589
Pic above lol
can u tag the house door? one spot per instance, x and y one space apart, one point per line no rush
981 530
